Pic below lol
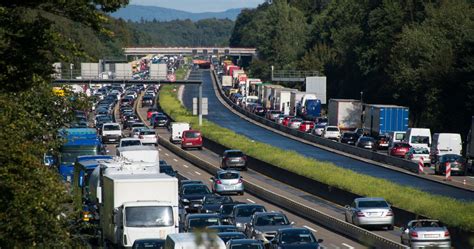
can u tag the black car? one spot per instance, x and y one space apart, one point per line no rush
226 236
192 195
349 138
245 243
148 100
200 221
222 228
295 238
212 203
366 143
168 169
149 243
160 121
225 211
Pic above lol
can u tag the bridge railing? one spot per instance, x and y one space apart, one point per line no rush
292 75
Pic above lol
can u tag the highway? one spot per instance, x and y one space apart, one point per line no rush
222 116
189 170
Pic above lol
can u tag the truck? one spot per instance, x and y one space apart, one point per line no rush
383 119
282 100
138 206
317 85
345 113
189 241
227 81
177 129
295 98
111 132
310 109
139 153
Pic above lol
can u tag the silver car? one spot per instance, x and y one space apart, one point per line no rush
227 181
318 130
264 225
425 233
370 212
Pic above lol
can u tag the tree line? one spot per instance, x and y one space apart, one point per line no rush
413 53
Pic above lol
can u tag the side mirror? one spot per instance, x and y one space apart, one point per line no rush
320 240
115 216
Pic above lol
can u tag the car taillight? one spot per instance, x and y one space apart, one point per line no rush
414 234
360 214
446 233
389 213
218 182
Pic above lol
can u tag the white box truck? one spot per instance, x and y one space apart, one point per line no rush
138 206
189 241
177 129
227 80
139 153
445 143
345 113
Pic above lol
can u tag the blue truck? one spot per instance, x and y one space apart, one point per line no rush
310 109
382 119
79 142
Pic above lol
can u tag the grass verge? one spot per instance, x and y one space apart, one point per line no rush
452 212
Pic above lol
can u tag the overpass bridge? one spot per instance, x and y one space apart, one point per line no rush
138 51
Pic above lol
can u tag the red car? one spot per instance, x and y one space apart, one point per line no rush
150 112
306 126
191 139
399 149
286 120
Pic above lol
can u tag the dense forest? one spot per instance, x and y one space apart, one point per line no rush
406 52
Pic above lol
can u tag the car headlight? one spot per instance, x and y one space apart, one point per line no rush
239 224
185 200
257 232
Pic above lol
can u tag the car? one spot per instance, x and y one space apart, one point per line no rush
124 142
222 228
259 110
242 213
369 211
191 139
457 163
212 203
272 114
425 233
366 142
234 159
227 181
286 120
111 133
414 154
149 243
150 111
148 136
226 236
399 149
192 195
381 142
331 132
168 169
160 121
295 123
294 238
349 138
318 129
322 120
148 100
225 211
137 125
244 244
362 132
279 119
195 222
306 126
264 225
135 132
183 183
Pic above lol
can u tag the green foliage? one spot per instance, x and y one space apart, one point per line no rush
412 53
452 212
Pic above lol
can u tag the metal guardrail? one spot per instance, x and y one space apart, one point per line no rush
189 50
292 75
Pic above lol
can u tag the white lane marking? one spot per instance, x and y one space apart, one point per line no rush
312 229
197 172
186 166
348 246
166 154
174 159
250 201
190 173
159 149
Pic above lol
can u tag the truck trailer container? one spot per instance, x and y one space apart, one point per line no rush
383 119
295 98
345 113
227 80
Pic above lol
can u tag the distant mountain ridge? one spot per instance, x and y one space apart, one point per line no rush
138 12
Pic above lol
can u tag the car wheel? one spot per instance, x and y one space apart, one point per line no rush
241 193
390 228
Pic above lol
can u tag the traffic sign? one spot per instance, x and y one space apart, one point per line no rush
171 77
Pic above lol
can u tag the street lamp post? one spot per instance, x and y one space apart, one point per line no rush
362 109
71 67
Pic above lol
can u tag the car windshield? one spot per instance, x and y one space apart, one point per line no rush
247 246
148 132
349 135
235 154
293 237
425 223
373 204
420 139
332 129
135 125
166 169
203 222
111 127
272 220
247 211
451 158
227 237
366 139
403 145
192 134
130 143
227 209
400 136
196 190
148 216
420 151
228 175
214 199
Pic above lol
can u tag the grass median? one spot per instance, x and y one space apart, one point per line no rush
450 211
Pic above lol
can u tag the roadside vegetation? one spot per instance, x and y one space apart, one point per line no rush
452 212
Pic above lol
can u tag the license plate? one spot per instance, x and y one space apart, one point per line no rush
431 236
374 214
111 139
189 143
235 160
368 146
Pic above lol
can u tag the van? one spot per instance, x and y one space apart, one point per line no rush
395 137
418 137
191 139
189 240
177 130
445 143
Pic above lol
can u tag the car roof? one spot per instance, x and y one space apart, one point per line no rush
214 215
286 229
244 241
228 171
268 213
370 199
232 151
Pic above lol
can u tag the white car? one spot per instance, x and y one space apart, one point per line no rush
111 132
331 132
318 130
148 136
136 131
295 123
124 142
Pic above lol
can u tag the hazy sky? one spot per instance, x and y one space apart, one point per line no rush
200 5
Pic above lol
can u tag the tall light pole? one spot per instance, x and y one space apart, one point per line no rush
362 109
71 66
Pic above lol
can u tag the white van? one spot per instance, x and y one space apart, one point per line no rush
419 137
188 241
177 129
396 136
445 143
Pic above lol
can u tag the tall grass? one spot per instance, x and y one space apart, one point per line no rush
450 211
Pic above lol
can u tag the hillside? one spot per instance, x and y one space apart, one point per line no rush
148 13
